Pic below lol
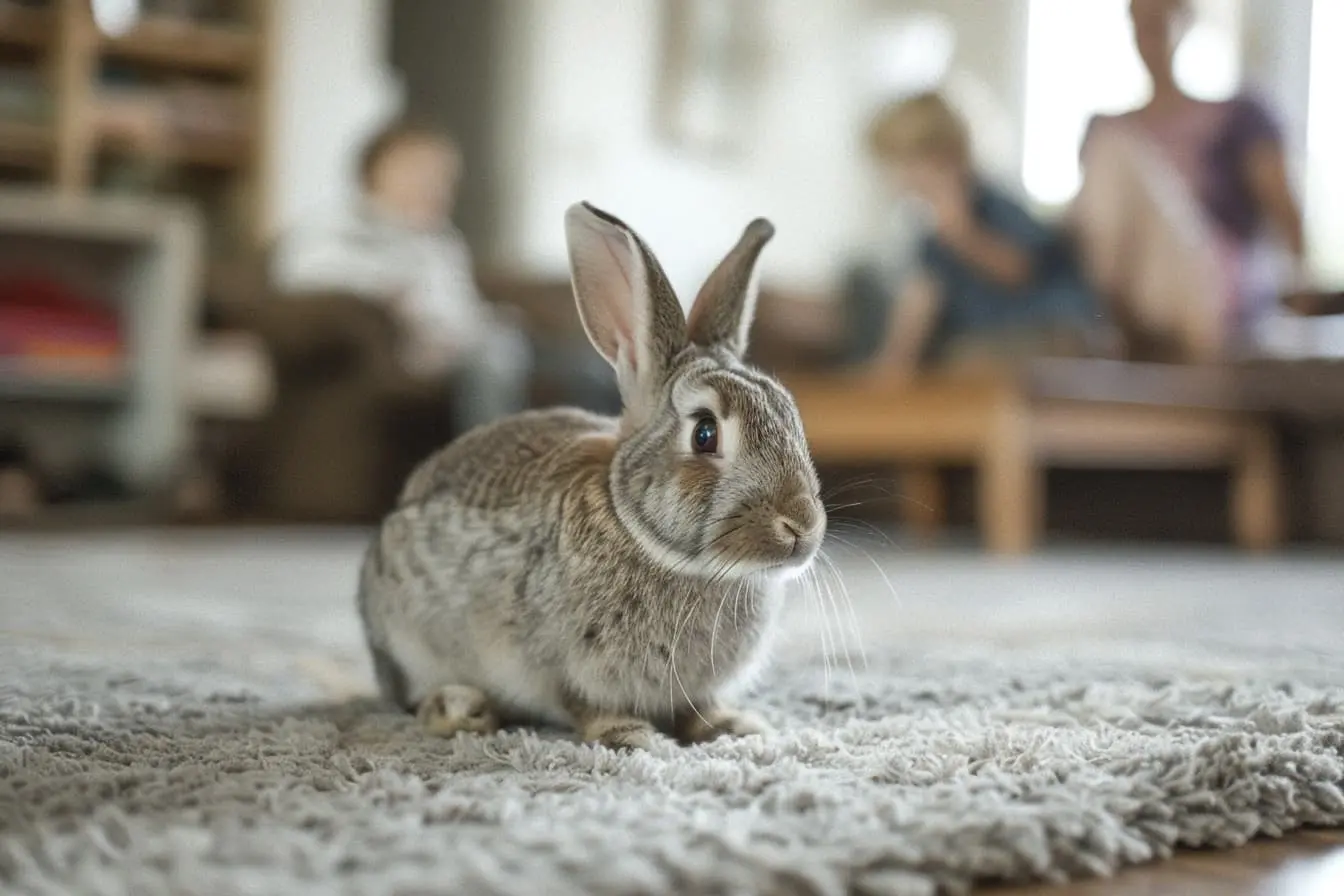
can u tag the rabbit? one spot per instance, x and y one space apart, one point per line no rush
617 576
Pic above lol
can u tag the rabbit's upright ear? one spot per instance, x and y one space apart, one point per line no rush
722 314
625 301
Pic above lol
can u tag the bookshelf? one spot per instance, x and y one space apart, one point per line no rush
131 163
173 106
125 412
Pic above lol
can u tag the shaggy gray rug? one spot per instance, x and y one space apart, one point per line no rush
917 774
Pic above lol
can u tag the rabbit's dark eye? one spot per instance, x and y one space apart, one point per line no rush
705 436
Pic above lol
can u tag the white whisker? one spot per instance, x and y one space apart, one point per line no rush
675 677
725 568
844 595
840 627
824 631
867 527
891 589
714 631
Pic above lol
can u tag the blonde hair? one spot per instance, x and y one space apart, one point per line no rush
396 135
920 126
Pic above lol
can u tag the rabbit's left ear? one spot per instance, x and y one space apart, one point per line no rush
625 301
723 310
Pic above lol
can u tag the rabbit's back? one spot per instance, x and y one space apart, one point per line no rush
441 584
505 464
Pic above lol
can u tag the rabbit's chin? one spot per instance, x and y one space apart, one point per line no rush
794 567
782 570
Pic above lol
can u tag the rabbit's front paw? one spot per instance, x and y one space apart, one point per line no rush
619 733
700 727
457 707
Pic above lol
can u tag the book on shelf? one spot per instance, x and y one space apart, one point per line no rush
49 331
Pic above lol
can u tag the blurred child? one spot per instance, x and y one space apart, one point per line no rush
398 247
991 282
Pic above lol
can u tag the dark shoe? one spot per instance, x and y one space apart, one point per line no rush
1315 304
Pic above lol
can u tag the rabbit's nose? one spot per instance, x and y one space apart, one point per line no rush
788 528
796 535
799 519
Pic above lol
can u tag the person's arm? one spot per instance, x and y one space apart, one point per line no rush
446 302
1254 135
1259 142
1267 175
993 257
909 327
1000 247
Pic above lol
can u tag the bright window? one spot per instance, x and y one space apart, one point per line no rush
1324 195
1081 61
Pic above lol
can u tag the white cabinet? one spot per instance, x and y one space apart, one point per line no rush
145 258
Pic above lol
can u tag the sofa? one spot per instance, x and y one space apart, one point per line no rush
344 424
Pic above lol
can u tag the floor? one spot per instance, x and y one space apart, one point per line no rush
1306 864
1079 599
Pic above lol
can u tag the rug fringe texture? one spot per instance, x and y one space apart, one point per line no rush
917 775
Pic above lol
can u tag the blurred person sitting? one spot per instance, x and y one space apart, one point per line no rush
1178 202
398 247
990 283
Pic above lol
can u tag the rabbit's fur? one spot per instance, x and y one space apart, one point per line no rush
608 574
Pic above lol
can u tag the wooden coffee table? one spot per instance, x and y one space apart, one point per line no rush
1012 426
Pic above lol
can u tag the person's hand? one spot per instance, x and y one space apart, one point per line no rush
950 201
1302 302
1300 295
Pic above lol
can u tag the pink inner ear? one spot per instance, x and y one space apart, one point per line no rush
627 342
623 258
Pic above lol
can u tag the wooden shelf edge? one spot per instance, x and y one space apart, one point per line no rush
25 144
31 29
214 49
198 153
16 386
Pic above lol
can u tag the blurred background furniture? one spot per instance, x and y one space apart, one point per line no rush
1013 426
1306 400
253 111
116 403
176 104
335 424
345 423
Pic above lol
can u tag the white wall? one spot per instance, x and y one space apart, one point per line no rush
1324 192
583 128
331 88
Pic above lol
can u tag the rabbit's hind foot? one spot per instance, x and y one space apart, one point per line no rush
697 727
458 707
618 732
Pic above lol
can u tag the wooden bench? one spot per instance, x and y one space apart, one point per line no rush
1012 426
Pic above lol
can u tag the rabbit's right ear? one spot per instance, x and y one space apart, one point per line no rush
625 301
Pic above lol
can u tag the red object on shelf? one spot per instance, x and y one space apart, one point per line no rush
48 327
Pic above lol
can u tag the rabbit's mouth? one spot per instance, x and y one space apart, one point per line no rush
767 557
801 557
790 556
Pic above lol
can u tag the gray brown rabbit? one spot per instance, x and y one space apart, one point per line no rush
618 575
